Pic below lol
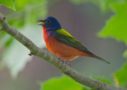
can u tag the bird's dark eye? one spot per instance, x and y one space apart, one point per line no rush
48 21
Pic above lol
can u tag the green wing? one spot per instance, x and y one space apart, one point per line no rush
64 37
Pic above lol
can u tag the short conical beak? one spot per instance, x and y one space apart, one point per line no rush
41 22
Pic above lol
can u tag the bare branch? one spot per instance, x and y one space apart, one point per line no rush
47 56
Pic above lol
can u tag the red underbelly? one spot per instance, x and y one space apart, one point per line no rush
62 50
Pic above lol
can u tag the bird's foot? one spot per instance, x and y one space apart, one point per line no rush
65 62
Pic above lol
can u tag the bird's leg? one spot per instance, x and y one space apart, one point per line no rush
62 57
65 61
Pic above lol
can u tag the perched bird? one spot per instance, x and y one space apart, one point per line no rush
61 43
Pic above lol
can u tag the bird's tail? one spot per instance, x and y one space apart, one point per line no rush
94 56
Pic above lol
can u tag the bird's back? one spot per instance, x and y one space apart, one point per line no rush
64 37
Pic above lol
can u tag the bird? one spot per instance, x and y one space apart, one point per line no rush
62 44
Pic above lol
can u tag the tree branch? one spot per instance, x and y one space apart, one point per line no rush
47 56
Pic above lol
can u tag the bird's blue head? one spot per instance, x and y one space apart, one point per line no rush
50 23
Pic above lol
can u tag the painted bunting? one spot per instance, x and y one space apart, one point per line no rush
61 43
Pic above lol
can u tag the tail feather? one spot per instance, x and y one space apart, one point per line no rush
89 54
94 56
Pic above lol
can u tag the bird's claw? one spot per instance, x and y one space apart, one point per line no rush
65 62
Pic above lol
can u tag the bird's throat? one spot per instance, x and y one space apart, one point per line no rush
47 33
44 32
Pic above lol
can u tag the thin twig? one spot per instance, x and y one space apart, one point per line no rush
3 21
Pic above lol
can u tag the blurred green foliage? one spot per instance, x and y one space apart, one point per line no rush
117 24
24 19
103 4
8 3
26 11
121 76
63 83
103 79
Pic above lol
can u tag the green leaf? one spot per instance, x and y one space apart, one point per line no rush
125 54
63 83
103 4
117 26
8 3
28 11
121 76
16 55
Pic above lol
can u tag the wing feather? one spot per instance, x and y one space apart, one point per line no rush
64 37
